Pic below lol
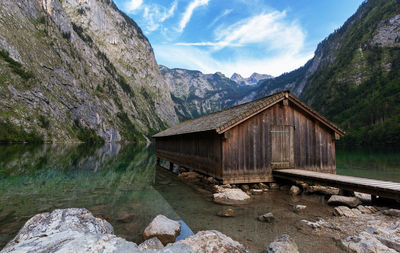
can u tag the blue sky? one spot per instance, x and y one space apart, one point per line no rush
264 36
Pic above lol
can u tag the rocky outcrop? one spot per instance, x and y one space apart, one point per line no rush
211 241
164 229
84 68
283 244
231 197
343 200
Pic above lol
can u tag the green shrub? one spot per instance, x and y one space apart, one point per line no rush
9 133
87 135
15 66
44 122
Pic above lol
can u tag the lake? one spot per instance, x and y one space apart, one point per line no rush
121 184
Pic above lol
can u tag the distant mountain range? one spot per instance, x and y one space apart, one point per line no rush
252 80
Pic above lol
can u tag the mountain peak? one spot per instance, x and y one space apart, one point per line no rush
252 80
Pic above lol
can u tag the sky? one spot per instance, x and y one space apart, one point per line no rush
237 36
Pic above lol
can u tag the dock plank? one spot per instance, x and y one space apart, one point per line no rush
386 189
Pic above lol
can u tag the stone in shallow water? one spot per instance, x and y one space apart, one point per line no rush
294 190
343 200
283 244
268 217
211 241
231 197
299 208
164 229
256 191
325 190
226 213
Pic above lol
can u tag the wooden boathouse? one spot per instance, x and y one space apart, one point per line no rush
245 143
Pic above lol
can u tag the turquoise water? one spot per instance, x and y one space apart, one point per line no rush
121 184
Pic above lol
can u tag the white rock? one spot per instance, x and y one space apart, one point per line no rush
68 230
231 197
343 200
283 244
164 229
299 208
211 241
257 191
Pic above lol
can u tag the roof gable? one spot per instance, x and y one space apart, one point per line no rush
224 120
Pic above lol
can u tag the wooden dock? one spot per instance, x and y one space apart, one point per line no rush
374 187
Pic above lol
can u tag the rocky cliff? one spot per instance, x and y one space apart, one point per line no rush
195 93
77 70
354 77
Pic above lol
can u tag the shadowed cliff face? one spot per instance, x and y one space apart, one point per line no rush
68 66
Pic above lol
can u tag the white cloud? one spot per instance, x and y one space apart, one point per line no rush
189 11
218 18
132 5
154 15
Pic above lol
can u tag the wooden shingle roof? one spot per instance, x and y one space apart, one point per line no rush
224 120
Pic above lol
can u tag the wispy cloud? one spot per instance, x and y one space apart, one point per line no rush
218 18
187 15
271 29
132 5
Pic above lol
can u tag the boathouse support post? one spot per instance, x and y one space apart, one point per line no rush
171 166
158 161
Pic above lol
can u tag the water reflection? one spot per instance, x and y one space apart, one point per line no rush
113 181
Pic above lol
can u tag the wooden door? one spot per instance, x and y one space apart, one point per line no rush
282 155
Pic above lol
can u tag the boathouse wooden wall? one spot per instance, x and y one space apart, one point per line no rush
247 148
198 151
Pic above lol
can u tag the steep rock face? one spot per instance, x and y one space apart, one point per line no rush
353 79
72 69
195 93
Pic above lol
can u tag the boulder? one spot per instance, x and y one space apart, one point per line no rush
283 244
263 186
152 243
325 190
268 217
213 241
343 200
226 213
392 212
68 230
231 197
294 190
164 229
299 208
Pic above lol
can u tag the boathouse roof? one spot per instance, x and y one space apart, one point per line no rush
224 120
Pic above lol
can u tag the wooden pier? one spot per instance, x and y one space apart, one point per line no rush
374 187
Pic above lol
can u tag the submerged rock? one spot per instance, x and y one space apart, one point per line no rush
211 241
283 244
226 213
152 243
164 229
343 200
231 197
